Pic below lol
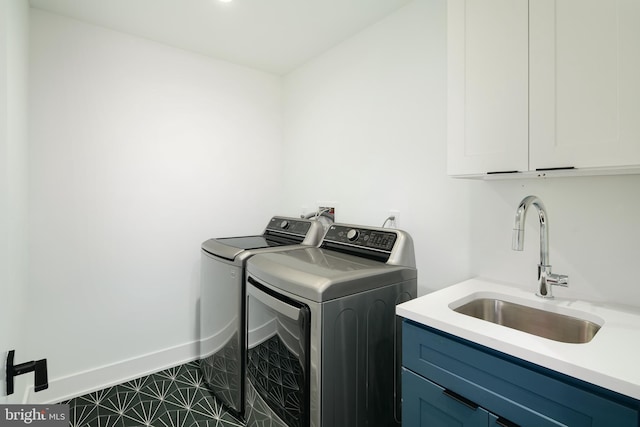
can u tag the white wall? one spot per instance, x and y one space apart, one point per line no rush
138 153
14 33
365 125
594 234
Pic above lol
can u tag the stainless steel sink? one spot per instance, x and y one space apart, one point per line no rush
546 324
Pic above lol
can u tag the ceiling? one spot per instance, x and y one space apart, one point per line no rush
271 35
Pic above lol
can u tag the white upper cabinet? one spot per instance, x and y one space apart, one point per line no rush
584 101
488 86
544 84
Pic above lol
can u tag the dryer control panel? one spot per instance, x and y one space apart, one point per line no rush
361 237
387 245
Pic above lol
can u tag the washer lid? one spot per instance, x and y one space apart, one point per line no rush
322 275
230 247
281 231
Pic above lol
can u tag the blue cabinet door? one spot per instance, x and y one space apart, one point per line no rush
519 391
427 404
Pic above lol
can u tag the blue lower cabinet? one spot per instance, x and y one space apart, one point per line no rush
427 404
449 381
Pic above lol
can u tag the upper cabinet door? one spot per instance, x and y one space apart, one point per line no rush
487 86
584 83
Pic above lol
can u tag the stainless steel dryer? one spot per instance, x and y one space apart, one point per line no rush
323 339
222 311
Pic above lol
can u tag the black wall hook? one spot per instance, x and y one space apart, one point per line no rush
39 367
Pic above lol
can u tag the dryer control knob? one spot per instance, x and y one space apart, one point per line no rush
353 234
284 224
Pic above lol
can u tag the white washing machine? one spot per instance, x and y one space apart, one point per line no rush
323 338
222 293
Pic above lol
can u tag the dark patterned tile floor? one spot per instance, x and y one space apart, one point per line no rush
175 397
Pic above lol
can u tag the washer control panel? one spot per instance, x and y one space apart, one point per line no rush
363 238
299 227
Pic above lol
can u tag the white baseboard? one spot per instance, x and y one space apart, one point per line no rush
80 383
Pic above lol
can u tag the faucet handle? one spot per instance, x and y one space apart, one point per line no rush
558 280
546 278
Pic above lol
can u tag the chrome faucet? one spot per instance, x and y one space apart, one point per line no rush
545 277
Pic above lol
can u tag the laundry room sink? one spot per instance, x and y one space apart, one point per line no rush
602 350
543 323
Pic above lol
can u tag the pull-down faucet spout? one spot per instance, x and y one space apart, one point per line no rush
545 277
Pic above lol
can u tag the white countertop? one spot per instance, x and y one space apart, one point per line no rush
610 360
